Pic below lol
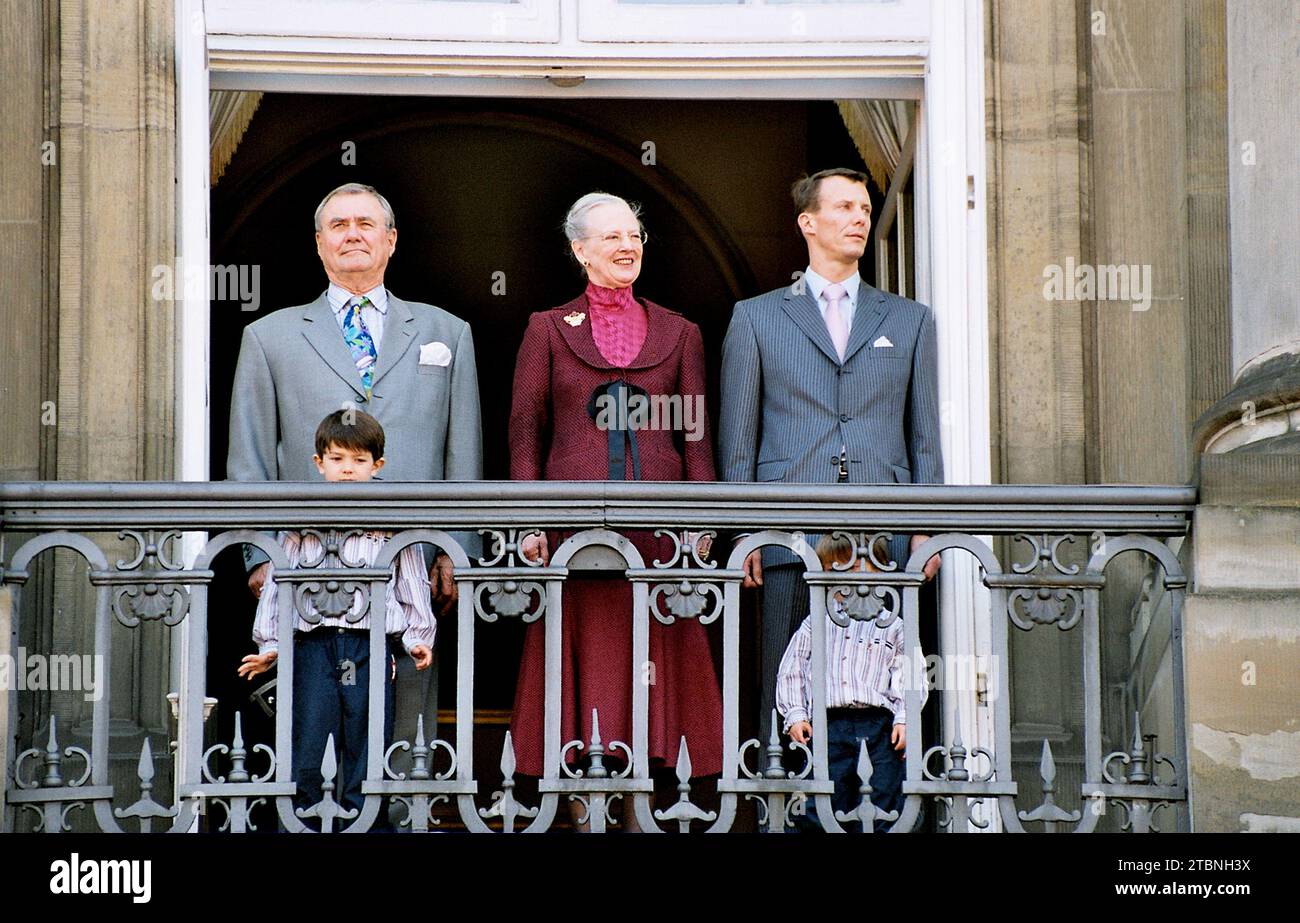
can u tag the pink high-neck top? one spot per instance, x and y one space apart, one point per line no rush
618 323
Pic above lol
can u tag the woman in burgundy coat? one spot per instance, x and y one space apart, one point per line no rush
568 355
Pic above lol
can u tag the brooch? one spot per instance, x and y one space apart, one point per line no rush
574 318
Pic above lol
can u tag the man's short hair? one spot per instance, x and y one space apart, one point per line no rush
806 191
353 430
839 548
390 221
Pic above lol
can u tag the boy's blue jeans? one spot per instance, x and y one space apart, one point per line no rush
846 727
331 691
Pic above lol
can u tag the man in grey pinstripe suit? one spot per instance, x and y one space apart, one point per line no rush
826 381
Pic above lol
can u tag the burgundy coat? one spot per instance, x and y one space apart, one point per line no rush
553 437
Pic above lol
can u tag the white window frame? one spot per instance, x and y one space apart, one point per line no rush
386 20
944 68
754 21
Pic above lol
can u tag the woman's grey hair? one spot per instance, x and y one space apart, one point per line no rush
575 222
355 189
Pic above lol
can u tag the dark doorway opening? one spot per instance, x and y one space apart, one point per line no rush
480 187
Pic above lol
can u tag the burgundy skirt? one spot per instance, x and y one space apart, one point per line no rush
596 673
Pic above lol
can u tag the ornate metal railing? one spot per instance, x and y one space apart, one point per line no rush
44 781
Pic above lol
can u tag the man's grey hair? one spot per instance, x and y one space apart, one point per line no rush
575 222
390 222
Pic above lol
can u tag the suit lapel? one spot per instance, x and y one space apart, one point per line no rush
663 331
323 333
578 336
803 311
399 334
868 315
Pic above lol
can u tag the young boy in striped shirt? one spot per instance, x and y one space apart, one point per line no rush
331 664
865 665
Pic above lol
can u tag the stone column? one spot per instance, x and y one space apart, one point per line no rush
88 378
1243 617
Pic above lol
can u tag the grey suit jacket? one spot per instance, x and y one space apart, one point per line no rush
294 369
789 404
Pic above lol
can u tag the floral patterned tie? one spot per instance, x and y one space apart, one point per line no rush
361 343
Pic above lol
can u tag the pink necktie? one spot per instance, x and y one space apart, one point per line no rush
835 323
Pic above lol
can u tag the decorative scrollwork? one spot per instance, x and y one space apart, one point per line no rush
1137 760
511 598
686 548
238 755
421 755
684 811
314 599
863 602
605 802
504 804
53 758
1045 606
774 769
686 599
247 811
1048 813
159 592
1044 554
145 809
957 770
507 546
152 550
596 768
866 546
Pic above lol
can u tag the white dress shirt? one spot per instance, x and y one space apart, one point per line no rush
817 284
409 612
372 315
865 666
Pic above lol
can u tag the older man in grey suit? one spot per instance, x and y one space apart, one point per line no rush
409 365
826 381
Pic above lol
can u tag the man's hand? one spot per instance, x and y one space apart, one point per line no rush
898 736
932 565
257 579
753 569
444 587
254 664
703 543
534 548
801 732
422 654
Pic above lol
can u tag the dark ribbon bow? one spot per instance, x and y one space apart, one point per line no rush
620 435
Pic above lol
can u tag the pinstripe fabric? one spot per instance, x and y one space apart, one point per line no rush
785 606
789 404
409 611
864 667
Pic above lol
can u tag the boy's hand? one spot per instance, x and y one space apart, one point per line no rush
254 664
422 655
898 736
753 569
445 591
801 732
534 548
257 579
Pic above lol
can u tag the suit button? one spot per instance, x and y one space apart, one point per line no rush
844 418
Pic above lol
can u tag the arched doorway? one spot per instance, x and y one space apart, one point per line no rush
480 187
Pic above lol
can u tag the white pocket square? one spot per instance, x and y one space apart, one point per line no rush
882 341
435 353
